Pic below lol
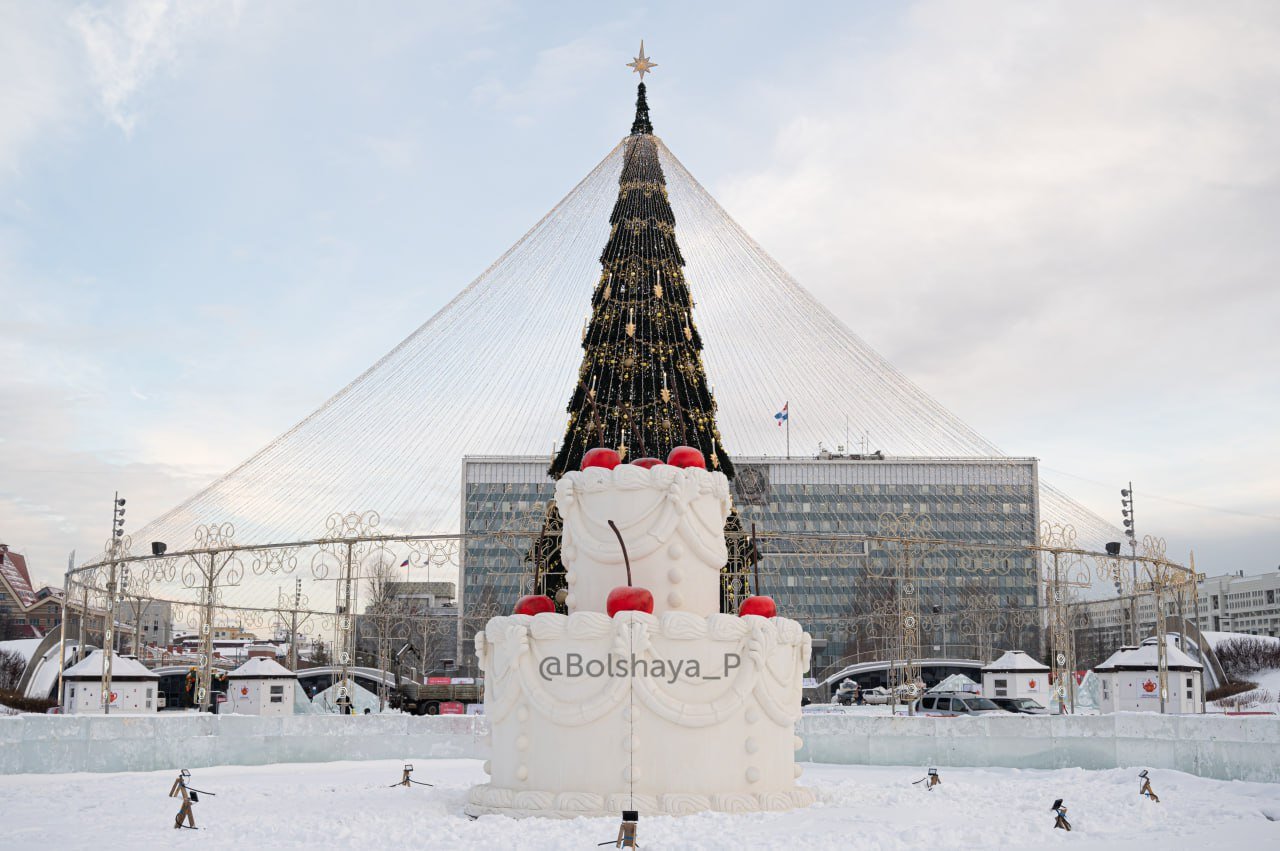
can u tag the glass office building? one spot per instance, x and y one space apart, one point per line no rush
845 592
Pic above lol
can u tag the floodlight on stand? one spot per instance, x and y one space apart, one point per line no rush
158 548
1113 548
1124 491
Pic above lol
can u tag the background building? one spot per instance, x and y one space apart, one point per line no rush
1227 603
153 626
836 592
26 612
16 596
415 624
1239 603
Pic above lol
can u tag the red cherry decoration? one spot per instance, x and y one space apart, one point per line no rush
534 604
759 605
686 456
647 463
601 456
628 598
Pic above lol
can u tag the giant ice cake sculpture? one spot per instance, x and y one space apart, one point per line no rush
670 711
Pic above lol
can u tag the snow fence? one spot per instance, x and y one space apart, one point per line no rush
1225 748
1216 746
43 744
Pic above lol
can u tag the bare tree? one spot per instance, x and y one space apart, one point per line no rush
11 667
386 618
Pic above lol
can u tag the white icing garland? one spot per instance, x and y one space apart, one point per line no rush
670 513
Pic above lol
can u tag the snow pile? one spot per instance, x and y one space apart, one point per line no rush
341 804
1016 660
91 666
1249 659
958 682
260 666
302 704
1147 656
1088 693
1216 638
363 701
1264 698
24 647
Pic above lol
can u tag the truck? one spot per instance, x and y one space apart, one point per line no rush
429 697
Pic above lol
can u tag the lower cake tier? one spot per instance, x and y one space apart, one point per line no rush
676 714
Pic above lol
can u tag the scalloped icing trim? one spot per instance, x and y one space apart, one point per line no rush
669 515
487 799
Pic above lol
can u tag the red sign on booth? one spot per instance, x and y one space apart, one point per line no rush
452 707
439 681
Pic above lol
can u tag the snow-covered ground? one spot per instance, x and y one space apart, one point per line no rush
340 805
1265 698
1216 638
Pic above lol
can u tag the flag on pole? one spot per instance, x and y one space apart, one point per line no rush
404 563
781 416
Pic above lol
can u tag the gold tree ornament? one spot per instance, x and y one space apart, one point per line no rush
641 64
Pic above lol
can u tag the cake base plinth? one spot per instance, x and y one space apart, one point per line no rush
491 800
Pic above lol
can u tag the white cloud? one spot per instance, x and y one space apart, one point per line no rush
1058 218
558 74
128 44
39 89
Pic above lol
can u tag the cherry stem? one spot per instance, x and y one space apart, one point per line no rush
621 543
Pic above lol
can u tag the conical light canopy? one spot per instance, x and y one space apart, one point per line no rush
489 373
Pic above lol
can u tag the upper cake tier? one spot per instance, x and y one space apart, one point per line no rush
672 520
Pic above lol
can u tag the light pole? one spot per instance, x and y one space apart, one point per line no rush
1126 509
62 639
109 619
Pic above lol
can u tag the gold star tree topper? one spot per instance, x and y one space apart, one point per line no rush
642 65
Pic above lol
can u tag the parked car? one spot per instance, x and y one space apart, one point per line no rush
1020 705
880 695
951 704
846 693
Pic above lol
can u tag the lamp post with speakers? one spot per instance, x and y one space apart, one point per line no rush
1126 509
109 618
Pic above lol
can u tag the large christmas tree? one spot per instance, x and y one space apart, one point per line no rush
641 388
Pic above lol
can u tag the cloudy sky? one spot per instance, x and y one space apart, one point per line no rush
1059 218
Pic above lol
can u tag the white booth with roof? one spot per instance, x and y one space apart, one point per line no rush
1129 681
134 689
261 686
1016 674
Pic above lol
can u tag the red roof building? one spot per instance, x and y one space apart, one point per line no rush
16 596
